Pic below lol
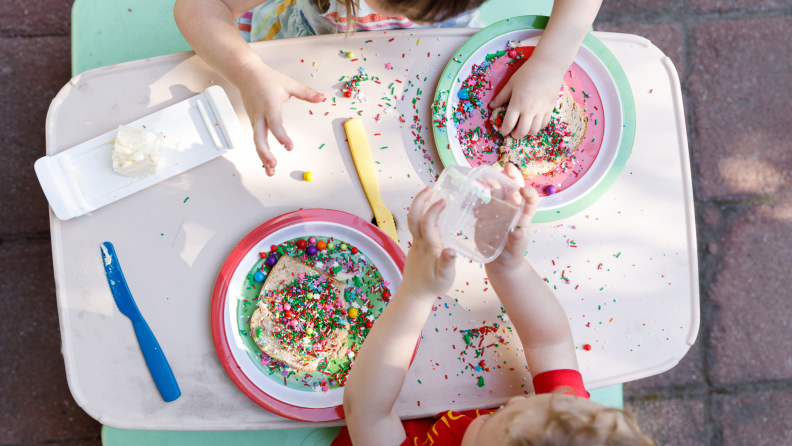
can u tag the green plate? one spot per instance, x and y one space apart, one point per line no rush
619 145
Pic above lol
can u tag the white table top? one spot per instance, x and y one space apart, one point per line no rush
172 250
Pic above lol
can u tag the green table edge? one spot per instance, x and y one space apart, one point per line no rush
451 72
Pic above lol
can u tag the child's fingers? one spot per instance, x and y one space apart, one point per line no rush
306 93
429 230
509 121
513 172
536 125
546 119
524 126
502 97
416 212
531 198
262 147
275 124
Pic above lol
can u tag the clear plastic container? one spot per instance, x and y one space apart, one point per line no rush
482 205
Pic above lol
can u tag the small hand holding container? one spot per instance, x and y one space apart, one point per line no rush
482 206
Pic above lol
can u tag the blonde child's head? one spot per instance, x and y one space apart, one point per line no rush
421 12
555 419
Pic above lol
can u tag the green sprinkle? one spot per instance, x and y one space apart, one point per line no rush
617 255
572 88
185 200
342 78
419 382
480 382
320 147
384 148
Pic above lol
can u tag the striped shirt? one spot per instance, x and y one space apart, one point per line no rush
279 19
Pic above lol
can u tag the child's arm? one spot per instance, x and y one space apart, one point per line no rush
381 366
532 91
209 26
534 311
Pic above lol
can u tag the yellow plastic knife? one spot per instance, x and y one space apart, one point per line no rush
364 163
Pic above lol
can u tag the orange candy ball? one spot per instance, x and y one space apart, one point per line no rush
321 245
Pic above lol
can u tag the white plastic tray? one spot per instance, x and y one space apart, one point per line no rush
82 179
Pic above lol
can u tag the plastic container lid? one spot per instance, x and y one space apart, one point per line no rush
482 206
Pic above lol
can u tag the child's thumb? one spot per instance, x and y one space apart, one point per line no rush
445 266
307 93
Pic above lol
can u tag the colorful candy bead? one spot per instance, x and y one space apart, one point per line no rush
353 313
512 53
312 240
302 244
259 276
369 324
464 94
386 295
312 250
321 245
350 55
587 347
308 176
354 250
272 260
344 247
274 248
550 189
330 246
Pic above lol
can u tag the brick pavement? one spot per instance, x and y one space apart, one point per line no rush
735 385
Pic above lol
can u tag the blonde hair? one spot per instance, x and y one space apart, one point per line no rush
567 428
351 7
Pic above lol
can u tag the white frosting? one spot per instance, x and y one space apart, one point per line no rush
108 259
136 152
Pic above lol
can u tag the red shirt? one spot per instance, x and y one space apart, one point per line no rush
447 429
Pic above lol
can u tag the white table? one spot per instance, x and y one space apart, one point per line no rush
172 250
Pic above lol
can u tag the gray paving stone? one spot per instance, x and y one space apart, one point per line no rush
35 402
751 336
741 92
35 17
672 422
32 71
755 419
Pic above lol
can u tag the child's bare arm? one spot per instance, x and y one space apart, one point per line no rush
532 91
209 26
534 311
381 366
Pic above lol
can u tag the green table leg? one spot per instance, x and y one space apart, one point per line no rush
609 396
292 437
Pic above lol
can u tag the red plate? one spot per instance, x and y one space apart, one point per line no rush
220 292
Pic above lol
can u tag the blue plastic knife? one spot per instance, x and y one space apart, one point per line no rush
155 358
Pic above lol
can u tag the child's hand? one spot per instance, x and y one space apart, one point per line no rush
263 91
531 93
514 253
429 271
